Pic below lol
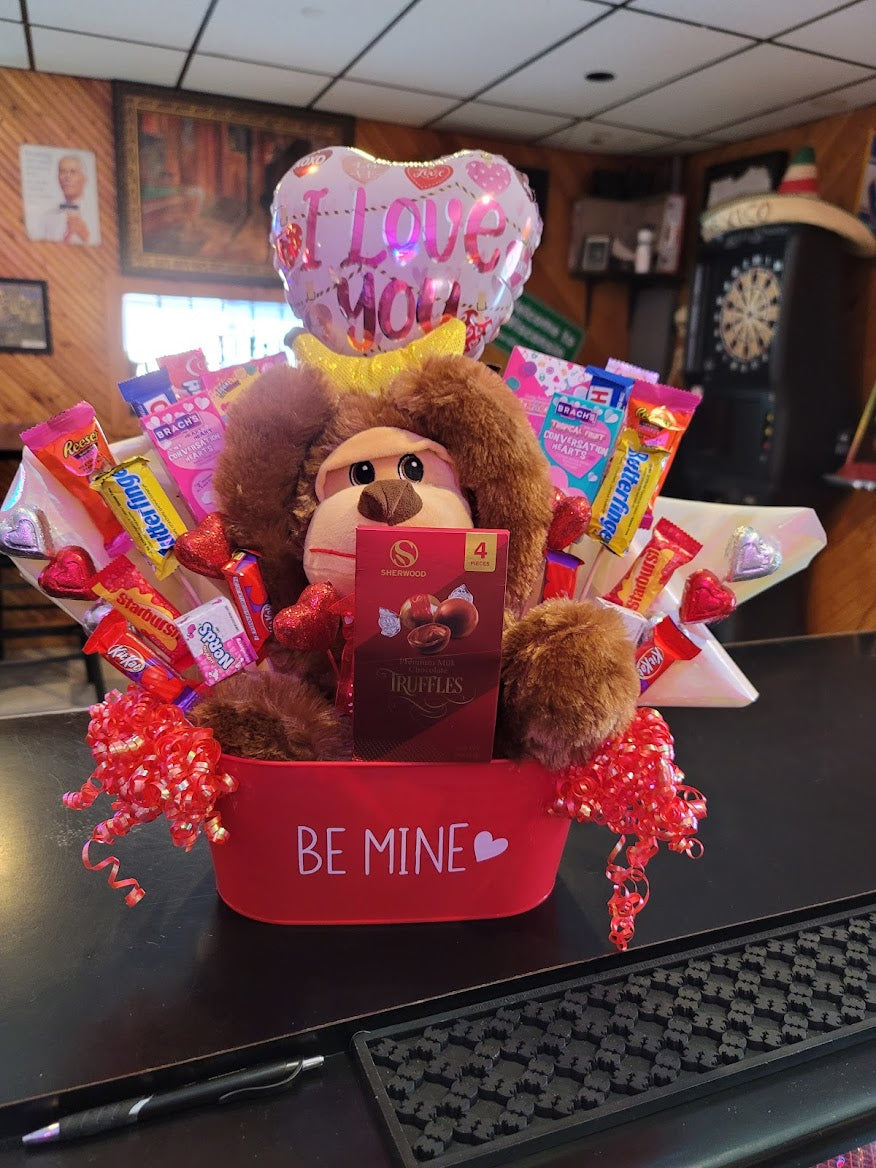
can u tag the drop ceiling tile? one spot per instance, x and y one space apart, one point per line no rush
13 47
597 138
383 103
323 37
255 82
469 45
173 23
749 84
849 33
9 10
90 56
499 121
757 18
838 102
642 51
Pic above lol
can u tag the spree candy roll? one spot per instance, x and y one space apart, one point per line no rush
119 644
668 548
135 497
147 393
250 597
148 611
73 448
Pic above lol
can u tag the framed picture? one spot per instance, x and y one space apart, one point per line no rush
24 317
196 174
867 186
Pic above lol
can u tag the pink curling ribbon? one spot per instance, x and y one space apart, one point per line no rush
633 786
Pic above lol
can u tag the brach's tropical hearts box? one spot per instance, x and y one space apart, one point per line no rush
381 843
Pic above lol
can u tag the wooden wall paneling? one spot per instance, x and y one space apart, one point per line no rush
841 585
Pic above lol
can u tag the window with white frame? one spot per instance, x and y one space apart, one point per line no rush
230 332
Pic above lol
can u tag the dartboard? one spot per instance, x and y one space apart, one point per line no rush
746 312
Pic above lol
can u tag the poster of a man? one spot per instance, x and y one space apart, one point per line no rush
59 191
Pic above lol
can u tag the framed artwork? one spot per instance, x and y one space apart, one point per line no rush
866 207
195 177
24 317
59 193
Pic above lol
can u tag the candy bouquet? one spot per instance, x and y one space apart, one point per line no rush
139 543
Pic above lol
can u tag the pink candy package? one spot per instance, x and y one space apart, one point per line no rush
224 385
188 435
535 377
216 639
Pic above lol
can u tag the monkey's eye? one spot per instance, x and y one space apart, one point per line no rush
410 467
362 473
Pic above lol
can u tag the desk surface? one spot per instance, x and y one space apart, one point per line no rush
91 990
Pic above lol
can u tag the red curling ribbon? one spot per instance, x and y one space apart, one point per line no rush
134 896
633 786
151 761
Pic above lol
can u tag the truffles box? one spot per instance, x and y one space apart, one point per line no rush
427 643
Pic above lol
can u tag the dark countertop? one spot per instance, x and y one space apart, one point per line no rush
93 991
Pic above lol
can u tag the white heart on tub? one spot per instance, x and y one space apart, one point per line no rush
487 848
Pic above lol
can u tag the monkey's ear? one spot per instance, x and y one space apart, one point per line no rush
270 430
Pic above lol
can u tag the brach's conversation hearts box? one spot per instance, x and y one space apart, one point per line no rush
188 435
427 643
578 437
535 377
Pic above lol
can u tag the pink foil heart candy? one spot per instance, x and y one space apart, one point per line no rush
24 532
68 574
705 599
751 556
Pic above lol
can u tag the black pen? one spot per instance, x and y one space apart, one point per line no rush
218 1090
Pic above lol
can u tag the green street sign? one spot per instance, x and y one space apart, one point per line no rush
535 326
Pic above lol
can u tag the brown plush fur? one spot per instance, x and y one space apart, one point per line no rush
568 677
567 684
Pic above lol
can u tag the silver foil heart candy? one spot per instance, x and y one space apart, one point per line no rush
751 556
24 533
92 617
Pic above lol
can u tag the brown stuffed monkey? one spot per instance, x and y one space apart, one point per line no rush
446 445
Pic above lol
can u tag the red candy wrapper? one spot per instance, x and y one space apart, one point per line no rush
561 576
120 645
667 645
250 597
185 370
668 548
147 610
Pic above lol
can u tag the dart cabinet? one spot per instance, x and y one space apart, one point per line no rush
767 343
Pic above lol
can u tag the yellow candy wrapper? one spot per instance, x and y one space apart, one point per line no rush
141 505
627 491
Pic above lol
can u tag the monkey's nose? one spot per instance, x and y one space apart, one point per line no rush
389 501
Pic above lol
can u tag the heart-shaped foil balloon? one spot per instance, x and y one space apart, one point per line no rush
24 532
204 549
68 574
751 556
705 599
376 254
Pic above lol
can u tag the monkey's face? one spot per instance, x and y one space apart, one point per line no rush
383 477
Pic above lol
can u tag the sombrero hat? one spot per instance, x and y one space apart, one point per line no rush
796 201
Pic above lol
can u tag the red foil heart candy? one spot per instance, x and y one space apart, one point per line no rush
571 516
705 599
68 574
204 549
